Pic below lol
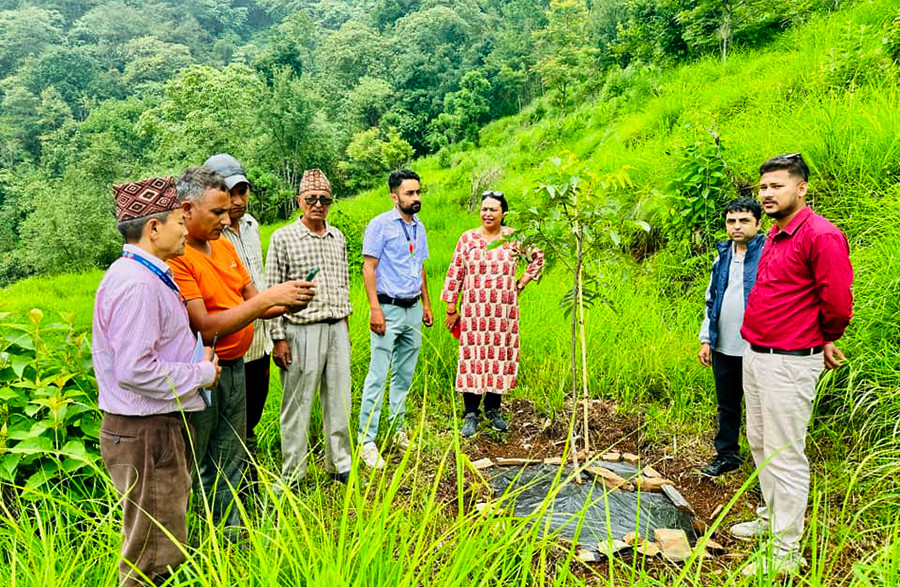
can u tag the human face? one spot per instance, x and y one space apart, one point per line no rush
168 237
408 197
491 214
781 194
318 210
207 217
741 226
240 193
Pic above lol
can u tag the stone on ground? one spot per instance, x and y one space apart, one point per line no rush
673 544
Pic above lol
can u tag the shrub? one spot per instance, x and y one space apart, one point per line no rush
49 422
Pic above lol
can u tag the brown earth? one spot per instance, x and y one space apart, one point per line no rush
533 435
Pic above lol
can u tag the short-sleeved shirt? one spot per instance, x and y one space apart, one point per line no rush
401 249
219 279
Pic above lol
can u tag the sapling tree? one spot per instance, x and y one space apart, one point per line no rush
579 213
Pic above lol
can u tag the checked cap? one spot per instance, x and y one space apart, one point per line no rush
145 198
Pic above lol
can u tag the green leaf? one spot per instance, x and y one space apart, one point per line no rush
19 362
31 445
75 449
45 473
643 225
8 466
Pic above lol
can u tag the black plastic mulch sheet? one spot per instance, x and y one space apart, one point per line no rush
606 513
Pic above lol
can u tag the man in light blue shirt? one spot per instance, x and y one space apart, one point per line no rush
394 250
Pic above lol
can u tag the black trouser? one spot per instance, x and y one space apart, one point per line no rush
256 373
727 372
473 400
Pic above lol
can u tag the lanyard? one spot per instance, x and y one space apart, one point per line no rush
412 241
156 270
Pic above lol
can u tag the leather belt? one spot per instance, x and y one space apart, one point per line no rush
793 353
401 302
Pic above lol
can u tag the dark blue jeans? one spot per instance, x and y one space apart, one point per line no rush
727 372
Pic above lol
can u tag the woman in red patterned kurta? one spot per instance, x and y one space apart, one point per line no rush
484 279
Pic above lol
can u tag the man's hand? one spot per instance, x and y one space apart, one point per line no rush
282 354
427 317
293 294
214 359
705 355
376 320
834 358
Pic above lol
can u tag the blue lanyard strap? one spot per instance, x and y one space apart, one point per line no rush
413 240
156 270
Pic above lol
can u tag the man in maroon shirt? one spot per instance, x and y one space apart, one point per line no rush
801 304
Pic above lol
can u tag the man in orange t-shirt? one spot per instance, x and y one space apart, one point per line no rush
222 304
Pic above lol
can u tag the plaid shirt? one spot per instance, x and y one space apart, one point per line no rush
293 251
248 247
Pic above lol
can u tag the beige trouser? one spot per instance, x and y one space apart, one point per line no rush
320 359
779 391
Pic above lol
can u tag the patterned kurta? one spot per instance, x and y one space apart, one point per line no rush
485 279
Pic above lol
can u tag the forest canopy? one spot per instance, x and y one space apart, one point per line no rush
98 91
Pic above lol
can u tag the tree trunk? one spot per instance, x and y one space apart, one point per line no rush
584 377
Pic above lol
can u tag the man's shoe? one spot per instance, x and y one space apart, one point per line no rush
401 439
496 420
340 477
371 457
470 425
719 467
750 531
776 567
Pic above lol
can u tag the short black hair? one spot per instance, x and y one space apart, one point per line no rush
793 163
133 229
743 204
396 178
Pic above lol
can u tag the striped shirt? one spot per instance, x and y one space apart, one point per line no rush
143 344
247 245
293 251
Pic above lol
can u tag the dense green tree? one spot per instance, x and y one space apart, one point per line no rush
26 31
368 101
565 58
371 154
151 61
205 111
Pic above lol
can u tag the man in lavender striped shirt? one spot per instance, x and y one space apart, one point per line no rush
142 351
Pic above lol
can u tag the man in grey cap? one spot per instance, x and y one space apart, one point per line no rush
244 235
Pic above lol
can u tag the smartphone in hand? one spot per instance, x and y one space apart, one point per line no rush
312 273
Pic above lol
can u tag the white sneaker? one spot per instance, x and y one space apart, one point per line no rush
371 457
750 531
401 439
780 566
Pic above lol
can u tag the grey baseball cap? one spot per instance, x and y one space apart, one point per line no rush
229 168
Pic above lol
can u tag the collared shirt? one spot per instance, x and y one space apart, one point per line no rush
248 247
802 294
400 259
294 250
219 280
143 344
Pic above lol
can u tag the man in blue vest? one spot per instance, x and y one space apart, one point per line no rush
733 276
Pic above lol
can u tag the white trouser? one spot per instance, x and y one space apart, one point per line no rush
320 359
779 392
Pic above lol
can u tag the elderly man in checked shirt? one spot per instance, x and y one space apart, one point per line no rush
142 350
312 347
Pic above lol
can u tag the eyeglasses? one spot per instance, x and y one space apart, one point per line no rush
789 156
491 194
324 200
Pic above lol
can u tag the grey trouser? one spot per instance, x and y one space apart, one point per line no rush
320 359
779 392
398 350
149 463
220 434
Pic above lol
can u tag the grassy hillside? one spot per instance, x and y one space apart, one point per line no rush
829 90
